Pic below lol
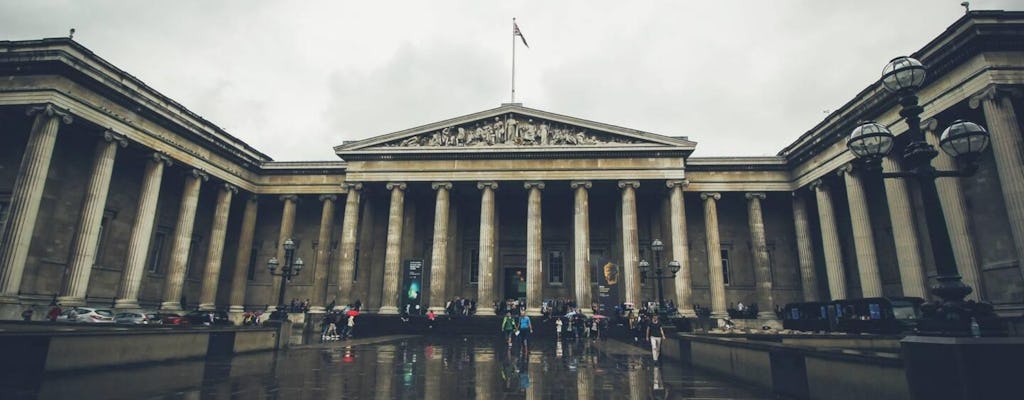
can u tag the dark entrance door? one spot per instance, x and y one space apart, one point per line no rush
515 283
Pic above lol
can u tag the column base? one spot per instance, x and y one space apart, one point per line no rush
72 301
127 304
10 308
688 314
533 311
207 306
170 306
388 310
767 315
719 314
317 310
485 312
270 309
236 309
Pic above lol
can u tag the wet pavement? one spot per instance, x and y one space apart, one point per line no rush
404 367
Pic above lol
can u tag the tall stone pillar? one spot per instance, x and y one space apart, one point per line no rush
485 277
142 233
863 237
534 250
954 209
1008 149
393 254
762 265
175 280
830 242
215 252
904 233
291 202
681 247
323 254
439 252
630 242
25 200
715 277
244 255
804 249
347 248
83 255
581 234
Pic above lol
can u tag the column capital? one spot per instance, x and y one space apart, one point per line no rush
711 195
198 174
255 198
227 187
993 92
533 184
289 197
929 125
818 185
672 183
396 185
755 195
634 183
356 186
111 136
847 168
583 184
50 110
331 197
487 184
159 157
439 185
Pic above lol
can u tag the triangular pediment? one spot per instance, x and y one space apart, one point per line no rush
514 128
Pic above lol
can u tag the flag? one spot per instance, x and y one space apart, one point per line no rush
517 32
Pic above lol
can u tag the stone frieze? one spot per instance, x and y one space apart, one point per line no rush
510 130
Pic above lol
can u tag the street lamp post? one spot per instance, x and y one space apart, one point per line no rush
659 273
292 266
963 140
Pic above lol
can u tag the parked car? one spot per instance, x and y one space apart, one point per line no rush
170 319
87 315
137 318
208 318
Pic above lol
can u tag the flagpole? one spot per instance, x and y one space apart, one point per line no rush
513 60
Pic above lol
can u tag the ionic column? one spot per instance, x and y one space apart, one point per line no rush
393 253
142 233
26 197
182 241
805 250
244 255
485 277
681 247
323 254
284 233
830 242
534 250
904 233
347 248
762 269
83 255
630 242
863 238
581 232
715 277
1008 149
439 253
215 252
951 196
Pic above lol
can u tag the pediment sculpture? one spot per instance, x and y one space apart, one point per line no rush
510 130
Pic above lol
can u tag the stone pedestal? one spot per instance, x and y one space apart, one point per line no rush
962 368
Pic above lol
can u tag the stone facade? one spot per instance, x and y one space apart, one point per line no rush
518 190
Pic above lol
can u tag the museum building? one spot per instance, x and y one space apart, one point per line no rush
112 194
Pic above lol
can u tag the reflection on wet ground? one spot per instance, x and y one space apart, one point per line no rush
454 367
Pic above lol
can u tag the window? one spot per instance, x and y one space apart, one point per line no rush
555 267
156 251
725 266
254 253
474 266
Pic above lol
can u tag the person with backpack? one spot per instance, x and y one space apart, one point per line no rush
508 325
525 329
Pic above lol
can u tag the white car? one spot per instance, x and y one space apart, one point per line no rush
87 314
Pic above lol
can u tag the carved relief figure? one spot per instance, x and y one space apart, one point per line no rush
509 131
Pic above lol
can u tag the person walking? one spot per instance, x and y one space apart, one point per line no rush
351 326
54 312
430 319
525 329
508 325
655 332
558 328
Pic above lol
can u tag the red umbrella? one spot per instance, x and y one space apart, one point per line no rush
599 316
352 312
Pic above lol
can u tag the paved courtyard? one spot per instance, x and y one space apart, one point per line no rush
404 367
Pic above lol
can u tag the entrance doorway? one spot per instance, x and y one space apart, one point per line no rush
515 284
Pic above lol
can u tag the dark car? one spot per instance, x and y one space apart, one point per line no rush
208 318
170 319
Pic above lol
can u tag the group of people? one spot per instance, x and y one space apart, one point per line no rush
460 306
297 306
339 324
252 318
576 325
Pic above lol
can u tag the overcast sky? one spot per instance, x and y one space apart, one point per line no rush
294 79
